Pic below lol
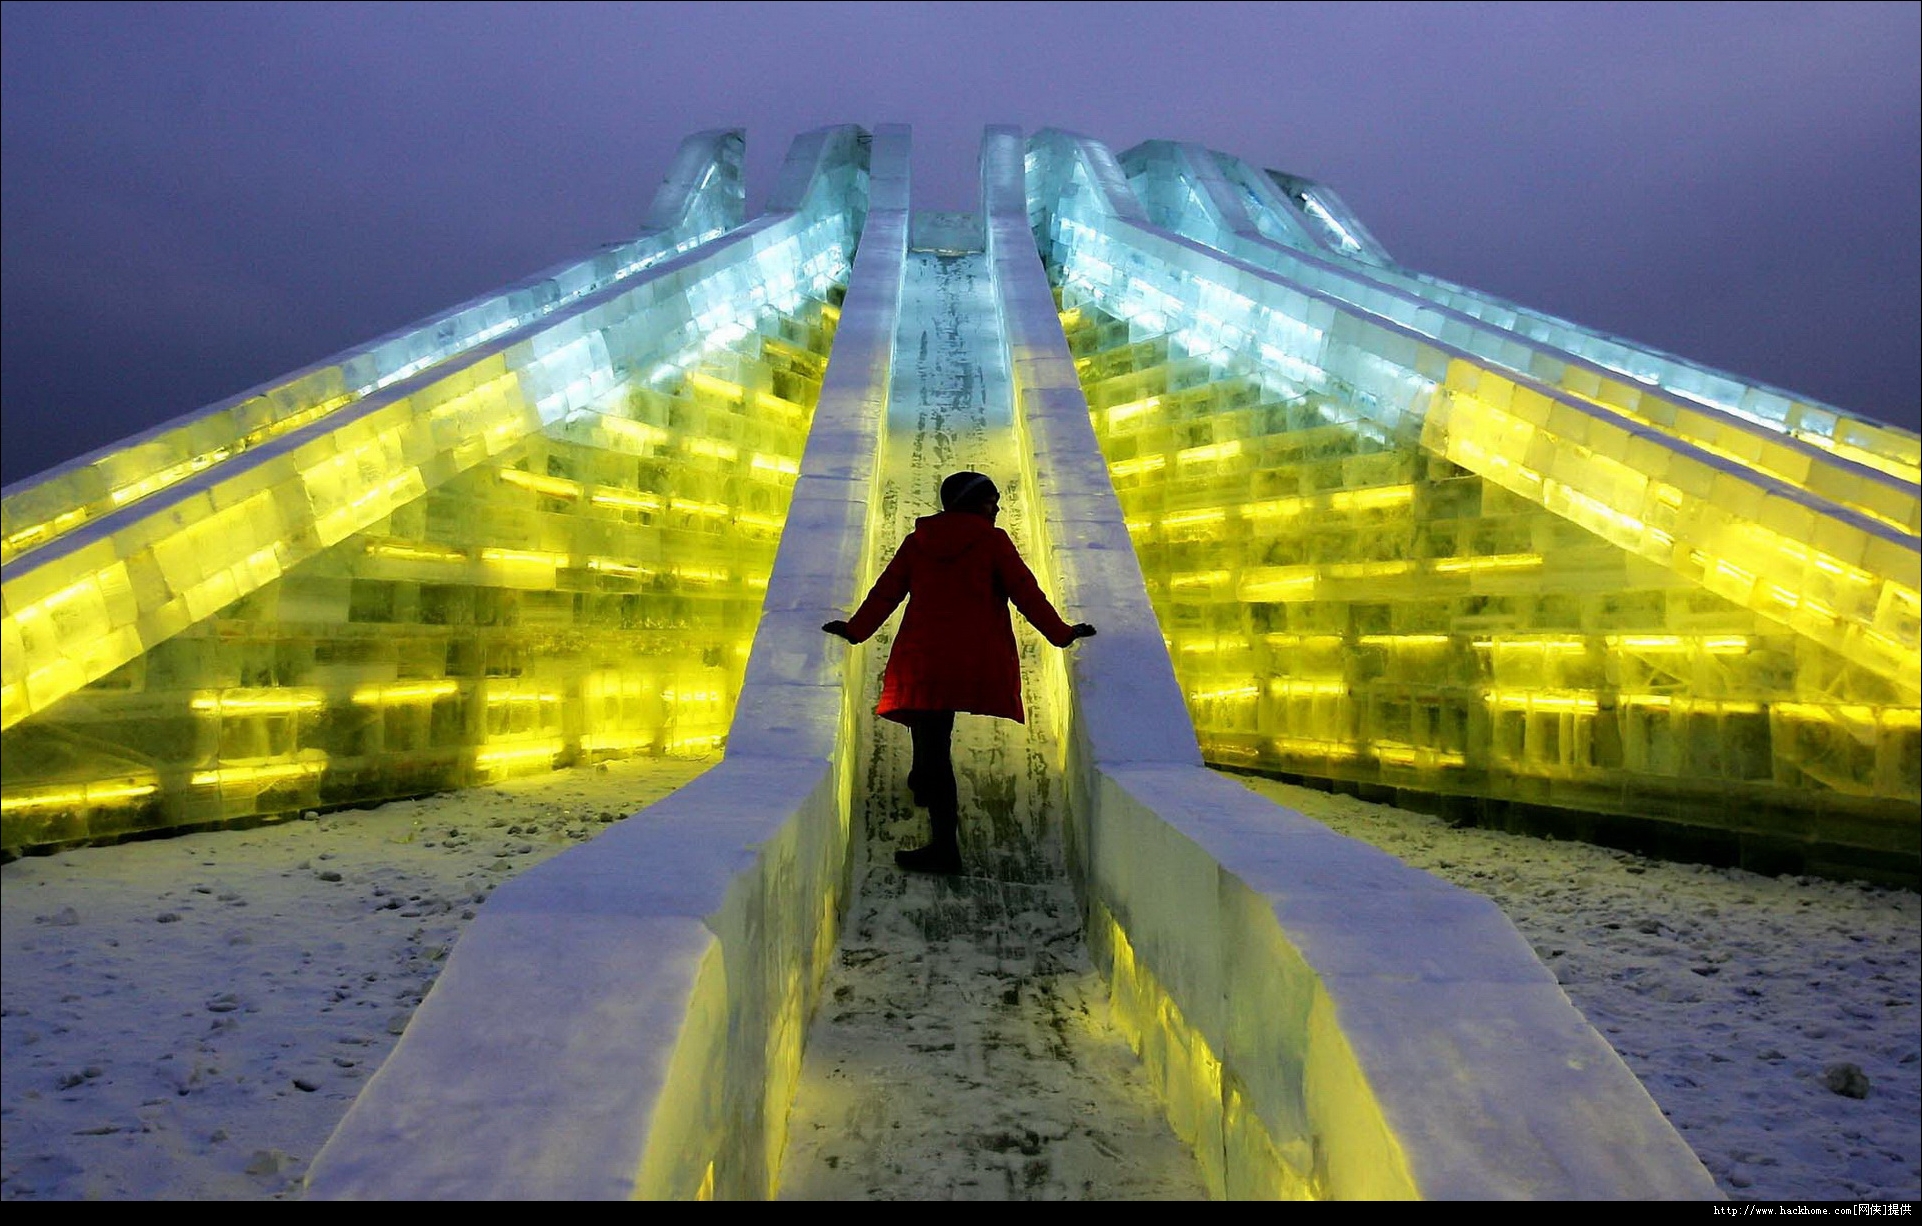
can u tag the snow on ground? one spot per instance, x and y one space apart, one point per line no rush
964 1051
1729 994
190 1017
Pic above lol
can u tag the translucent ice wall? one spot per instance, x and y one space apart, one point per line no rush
1394 544
545 541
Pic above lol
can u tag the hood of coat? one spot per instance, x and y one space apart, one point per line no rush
950 534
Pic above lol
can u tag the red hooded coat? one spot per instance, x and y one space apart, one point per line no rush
956 648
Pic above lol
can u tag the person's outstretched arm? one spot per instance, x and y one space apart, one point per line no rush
883 598
1019 583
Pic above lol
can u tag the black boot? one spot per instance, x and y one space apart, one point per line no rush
914 790
943 852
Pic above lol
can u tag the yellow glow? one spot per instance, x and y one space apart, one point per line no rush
33 534
414 553
1314 748
1136 467
258 702
521 698
1198 578
714 510
515 753
1398 753
1228 693
1224 749
1277 508
1311 641
1278 584
1553 646
531 557
628 502
755 519
273 772
1372 499
1500 561
87 795
1295 687
775 464
405 693
1684 705
553 487
165 477
610 567
714 450
1128 412
1881 463
1368 570
1208 452
715 387
690 697
1582 702
1190 518
1405 640
768 400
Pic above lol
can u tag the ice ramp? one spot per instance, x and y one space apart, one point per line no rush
627 1019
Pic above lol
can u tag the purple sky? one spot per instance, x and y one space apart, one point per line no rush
199 198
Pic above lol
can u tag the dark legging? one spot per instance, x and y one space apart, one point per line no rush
933 770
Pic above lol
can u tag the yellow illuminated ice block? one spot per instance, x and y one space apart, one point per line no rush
1352 601
549 548
589 592
81 606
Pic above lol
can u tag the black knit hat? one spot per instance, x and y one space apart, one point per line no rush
965 491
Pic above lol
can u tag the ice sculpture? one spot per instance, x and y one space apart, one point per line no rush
533 530
1404 536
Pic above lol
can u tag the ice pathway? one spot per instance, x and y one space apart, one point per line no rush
963 1047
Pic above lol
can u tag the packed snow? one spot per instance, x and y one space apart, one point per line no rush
189 1018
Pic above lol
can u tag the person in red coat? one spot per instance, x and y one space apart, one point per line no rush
955 651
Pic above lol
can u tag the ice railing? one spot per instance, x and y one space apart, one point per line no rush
1837 577
1885 448
1293 994
82 606
1187 194
688 944
701 198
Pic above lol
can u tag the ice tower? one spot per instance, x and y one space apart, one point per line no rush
1401 536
